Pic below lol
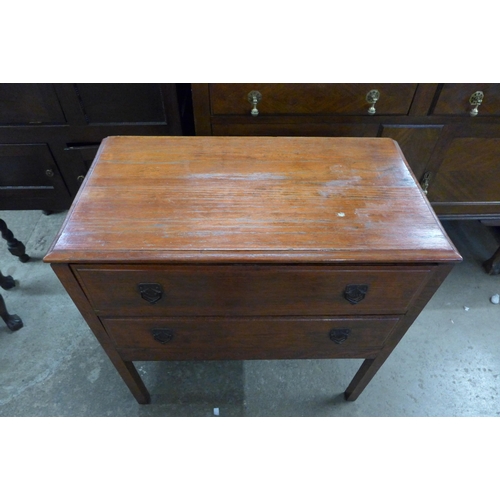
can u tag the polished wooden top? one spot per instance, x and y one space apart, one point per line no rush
251 199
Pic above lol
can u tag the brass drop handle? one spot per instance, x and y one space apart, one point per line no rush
476 99
162 335
254 97
339 335
371 98
425 182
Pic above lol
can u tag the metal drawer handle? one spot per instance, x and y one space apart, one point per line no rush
339 335
476 99
162 335
254 97
425 182
371 98
355 293
150 292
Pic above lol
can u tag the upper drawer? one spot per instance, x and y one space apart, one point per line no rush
455 99
241 290
311 98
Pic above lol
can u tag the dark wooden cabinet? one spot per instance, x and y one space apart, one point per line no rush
50 133
449 133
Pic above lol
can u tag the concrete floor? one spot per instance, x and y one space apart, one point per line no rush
448 364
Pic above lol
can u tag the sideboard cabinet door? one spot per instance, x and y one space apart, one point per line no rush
29 104
79 158
118 103
30 179
466 181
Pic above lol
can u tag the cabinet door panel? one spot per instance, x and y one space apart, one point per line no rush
121 103
30 179
79 160
29 103
468 178
417 143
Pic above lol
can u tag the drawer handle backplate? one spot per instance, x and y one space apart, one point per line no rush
150 292
355 293
371 98
476 99
162 335
339 335
254 97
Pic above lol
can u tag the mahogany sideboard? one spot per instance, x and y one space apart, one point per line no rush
240 248
448 132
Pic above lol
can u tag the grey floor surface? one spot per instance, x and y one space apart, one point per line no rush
448 364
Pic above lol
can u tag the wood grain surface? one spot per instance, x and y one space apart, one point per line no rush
250 199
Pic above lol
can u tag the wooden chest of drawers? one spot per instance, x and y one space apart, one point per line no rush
205 248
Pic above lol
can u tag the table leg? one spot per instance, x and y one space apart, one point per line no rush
126 369
130 376
371 366
362 378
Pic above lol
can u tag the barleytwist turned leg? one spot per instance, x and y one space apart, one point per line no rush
13 321
15 246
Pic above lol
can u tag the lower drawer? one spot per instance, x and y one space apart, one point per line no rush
248 338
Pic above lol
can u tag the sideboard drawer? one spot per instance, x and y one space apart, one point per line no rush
250 290
455 99
307 98
251 338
